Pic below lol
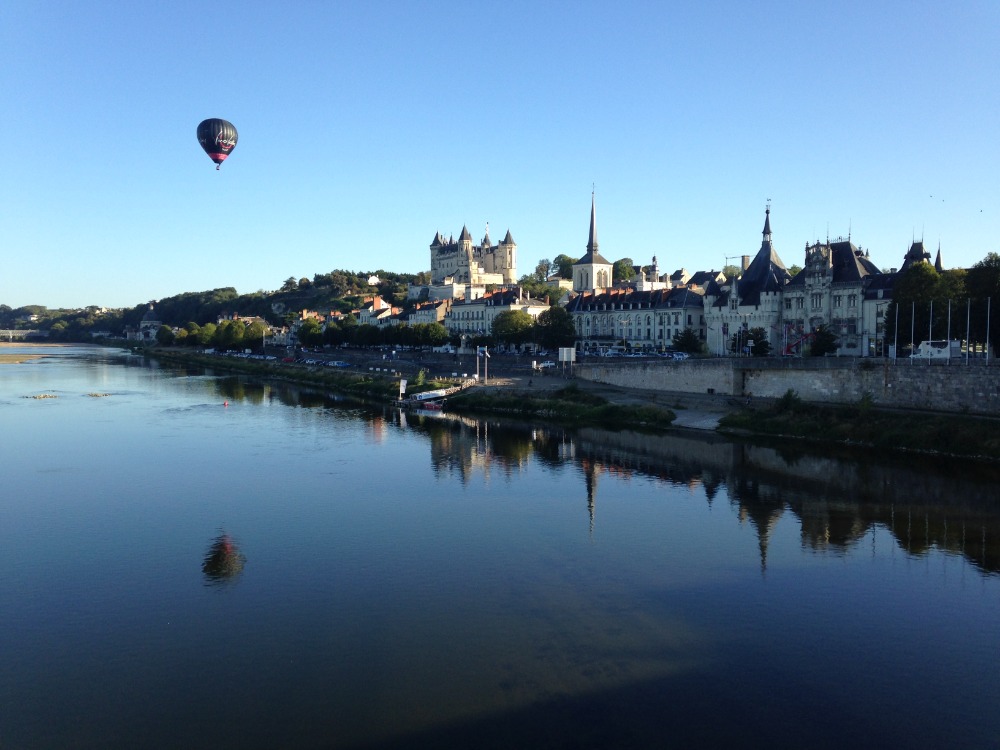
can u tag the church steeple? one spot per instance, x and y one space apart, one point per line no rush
592 243
592 271
767 224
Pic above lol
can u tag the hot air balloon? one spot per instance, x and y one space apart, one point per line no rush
218 138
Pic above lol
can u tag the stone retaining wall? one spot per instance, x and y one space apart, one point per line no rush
954 387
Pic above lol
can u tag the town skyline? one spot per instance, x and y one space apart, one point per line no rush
363 130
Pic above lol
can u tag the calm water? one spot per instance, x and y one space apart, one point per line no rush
401 581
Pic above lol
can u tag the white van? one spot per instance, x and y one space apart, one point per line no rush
938 350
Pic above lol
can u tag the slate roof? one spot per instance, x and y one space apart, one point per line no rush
500 298
703 278
625 299
849 266
766 273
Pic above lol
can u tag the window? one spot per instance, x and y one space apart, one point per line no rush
816 300
788 303
798 303
852 300
838 301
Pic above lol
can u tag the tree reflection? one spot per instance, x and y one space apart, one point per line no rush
223 562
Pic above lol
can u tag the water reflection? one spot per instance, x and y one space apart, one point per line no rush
223 562
837 496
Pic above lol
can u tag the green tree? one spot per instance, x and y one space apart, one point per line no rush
254 334
229 335
688 341
554 328
564 264
512 327
542 270
983 286
333 333
914 292
731 271
165 336
206 334
761 346
622 270
58 330
310 333
824 342
534 287
434 335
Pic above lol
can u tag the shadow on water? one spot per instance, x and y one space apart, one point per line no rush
670 712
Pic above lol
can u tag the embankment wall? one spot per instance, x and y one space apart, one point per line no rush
972 388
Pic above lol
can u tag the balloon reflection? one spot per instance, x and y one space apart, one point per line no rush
223 561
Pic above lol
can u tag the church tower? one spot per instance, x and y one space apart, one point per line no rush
592 271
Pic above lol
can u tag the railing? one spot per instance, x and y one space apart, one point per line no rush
14 334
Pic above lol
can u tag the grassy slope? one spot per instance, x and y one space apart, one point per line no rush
861 424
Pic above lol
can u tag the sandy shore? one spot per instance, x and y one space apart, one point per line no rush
16 359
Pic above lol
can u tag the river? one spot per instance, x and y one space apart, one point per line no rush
191 559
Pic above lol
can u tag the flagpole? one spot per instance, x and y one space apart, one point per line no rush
989 300
968 324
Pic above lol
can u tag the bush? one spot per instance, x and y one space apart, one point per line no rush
790 403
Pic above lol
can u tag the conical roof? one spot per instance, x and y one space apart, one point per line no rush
592 255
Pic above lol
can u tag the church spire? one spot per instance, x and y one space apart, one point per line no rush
592 243
767 222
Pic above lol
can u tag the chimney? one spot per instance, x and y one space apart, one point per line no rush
746 262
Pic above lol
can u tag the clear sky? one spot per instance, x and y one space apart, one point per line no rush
365 127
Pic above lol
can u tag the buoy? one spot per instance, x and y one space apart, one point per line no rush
225 403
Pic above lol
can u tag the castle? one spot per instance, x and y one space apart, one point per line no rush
463 263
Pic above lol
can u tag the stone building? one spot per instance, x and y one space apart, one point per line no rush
462 262
831 290
638 319
475 316
754 300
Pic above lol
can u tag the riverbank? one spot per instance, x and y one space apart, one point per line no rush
6 358
583 402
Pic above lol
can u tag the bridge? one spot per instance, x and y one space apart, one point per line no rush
13 334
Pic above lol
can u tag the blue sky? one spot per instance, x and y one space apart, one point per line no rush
367 127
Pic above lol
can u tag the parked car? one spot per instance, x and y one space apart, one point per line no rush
681 355
546 364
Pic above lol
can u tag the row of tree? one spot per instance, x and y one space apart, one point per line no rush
927 304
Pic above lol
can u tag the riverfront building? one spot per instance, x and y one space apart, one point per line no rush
475 316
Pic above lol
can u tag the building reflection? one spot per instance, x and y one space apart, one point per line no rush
837 498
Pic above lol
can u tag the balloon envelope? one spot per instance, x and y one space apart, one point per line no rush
218 138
